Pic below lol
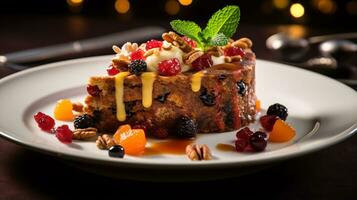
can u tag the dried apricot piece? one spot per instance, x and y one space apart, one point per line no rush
133 140
282 132
63 110
257 105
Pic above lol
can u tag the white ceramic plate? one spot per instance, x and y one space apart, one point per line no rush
322 110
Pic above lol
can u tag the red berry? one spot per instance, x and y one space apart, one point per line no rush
233 51
153 44
64 134
93 90
242 142
189 41
169 67
244 133
112 71
45 122
258 141
202 62
268 121
137 55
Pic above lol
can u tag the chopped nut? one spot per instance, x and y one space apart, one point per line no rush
192 56
85 133
215 51
129 47
231 59
198 152
104 141
151 51
243 43
166 46
77 106
116 49
177 41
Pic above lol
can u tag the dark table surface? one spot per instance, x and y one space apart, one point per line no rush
24 174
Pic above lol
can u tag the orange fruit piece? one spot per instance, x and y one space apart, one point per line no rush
133 140
257 105
63 110
282 132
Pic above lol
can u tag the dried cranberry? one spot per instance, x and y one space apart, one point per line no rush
153 44
64 134
242 142
169 67
45 122
258 141
202 62
189 41
137 55
93 90
233 51
268 121
112 71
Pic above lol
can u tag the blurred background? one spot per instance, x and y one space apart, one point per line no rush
27 24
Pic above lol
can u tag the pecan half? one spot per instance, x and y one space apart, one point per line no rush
231 59
198 152
176 40
215 51
192 56
104 141
244 43
85 133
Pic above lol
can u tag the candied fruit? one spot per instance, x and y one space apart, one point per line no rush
137 55
258 141
234 51
112 71
282 132
268 121
64 134
153 44
169 67
202 62
189 41
63 110
93 90
132 140
45 122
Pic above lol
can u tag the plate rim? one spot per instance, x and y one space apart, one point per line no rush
336 138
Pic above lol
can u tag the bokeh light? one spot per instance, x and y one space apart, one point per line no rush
326 6
297 10
351 7
281 4
122 6
75 6
185 2
172 7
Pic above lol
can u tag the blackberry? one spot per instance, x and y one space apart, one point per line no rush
207 98
278 110
116 151
137 67
241 87
186 127
83 121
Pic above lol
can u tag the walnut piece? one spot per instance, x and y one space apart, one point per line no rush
85 133
244 43
198 152
77 106
104 141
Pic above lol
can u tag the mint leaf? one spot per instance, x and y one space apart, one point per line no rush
187 28
219 40
223 21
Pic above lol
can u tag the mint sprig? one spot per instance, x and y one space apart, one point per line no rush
220 27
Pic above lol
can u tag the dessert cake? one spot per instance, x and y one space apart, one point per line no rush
160 82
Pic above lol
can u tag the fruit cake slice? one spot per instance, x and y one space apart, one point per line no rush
162 84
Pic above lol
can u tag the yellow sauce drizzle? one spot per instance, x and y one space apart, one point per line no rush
196 81
119 95
147 79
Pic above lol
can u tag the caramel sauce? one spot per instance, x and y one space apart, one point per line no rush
176 147
196 81
147 79
119 95
225 147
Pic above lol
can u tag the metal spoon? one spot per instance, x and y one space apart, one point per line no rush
341 50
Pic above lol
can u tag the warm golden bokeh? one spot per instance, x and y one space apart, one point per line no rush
185 2
122 6
297 10
281 4
172 7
